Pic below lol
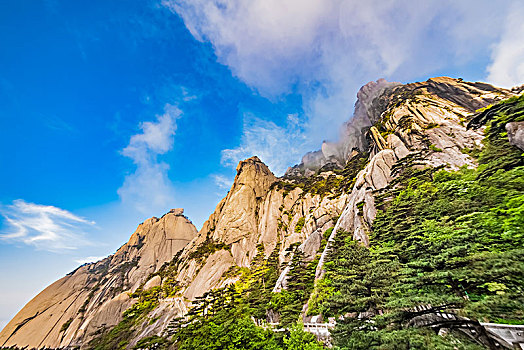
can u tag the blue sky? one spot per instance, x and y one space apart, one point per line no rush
115 111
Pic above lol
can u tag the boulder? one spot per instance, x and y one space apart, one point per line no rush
516 134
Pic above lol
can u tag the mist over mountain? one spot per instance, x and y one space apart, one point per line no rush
405 233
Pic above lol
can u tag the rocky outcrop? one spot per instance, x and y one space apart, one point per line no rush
426 119
374 98
255 217
516 134
370 100
262 214
93 297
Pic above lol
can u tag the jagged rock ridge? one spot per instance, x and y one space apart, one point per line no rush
424 121
93 297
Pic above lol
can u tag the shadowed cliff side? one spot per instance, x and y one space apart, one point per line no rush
167 266
93 297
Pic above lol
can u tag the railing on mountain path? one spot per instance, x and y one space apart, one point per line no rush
318 270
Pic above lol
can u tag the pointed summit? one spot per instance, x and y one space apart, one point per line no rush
95 295
253 162
254 174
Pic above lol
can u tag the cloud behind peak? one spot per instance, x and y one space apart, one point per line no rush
325 50
43 226
148 189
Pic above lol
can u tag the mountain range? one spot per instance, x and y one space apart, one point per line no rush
403 214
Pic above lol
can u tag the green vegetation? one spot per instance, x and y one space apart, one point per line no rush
435 148
325 238
222 322
450 241
206 248
118 337
342 180
257 285
431 126
300 224
66 325
300 281
323 291
152 343
223 318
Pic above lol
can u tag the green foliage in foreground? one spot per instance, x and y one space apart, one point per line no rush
223 318
450 241
119 336
300 281
226 324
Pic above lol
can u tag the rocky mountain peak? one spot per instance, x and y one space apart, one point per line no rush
468 95
177 211
377 97
366 99
254 174
394 126
252 165
94 295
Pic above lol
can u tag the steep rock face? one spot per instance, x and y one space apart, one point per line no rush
425 121
255 217
234 225
376 97
94 296
516 134
422 123
370 102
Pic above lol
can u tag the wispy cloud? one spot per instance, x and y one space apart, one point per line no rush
275 145
326 49
57 123
149 189
89 259
43 226
507 68
186 95
222 182
273 44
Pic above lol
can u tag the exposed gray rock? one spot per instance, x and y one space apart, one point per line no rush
154 281
427 118
391 121
516 134
94 296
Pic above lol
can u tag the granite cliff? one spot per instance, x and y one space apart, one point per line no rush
92 298
262 218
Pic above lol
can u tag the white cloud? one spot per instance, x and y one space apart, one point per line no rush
270 44
275 145
149 189
43 226
326 49
222 182
89 259
186 95
507 68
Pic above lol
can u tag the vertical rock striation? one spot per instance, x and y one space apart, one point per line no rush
93 297
422 124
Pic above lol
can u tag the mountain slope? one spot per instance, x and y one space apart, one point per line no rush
268 235
445 252
94 296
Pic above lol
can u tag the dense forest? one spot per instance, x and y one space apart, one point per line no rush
443 242
446 251
451 242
